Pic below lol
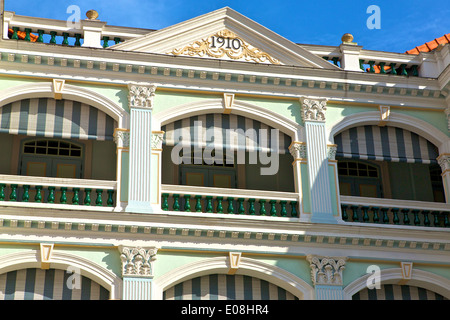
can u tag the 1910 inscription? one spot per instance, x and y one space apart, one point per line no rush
227 42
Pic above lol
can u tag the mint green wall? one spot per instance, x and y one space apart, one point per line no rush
305 188
168 99
124 177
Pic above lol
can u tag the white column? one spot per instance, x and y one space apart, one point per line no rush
313 115
140 100
444 162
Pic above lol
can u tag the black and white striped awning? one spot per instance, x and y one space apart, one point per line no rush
225 131
385 144
52 118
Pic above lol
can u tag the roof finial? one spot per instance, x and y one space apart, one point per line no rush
347 39
92 14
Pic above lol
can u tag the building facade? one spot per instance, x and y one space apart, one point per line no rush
215 159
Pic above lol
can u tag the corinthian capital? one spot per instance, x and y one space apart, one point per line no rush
313 109
444 162
137 261
326 270
140 96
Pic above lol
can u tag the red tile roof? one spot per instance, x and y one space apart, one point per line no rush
431 45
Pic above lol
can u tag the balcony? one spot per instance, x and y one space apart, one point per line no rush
57 193
367 210
237 202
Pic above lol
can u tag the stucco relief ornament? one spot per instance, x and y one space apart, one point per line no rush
225 44
141 96
326 270
137 261
313 109
298 150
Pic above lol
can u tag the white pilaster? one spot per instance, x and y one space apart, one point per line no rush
313 115
140 100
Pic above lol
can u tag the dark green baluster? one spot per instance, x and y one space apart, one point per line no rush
382 70
77 40
219 208
187 203
176 203
294 212
361 64
65 39
384 212
105 41
262 207
371 69
403 71
198 203
116 40
53 37
241 209
165 202
27 34
38 196
40 36
436 218
406 220
376 217
230 208
355 213
63 198
87 196
335 60
251 207
99 200
273 208
393 71
426 220
416 217
344 212
415 72
26 193
209 204
13 195
51 195
76 196
446 220
365 213
2 191
396 219
283 211
110 201
15 35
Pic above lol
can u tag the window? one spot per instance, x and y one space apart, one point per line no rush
358 178
52 148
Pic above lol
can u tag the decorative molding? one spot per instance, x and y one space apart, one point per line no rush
313 109
326 270
407 268
444 162
122 138
228 101
235 49
137 261
331 151
447 112
298 150
46 251
58 88
235 260
157 140
140 96
385 112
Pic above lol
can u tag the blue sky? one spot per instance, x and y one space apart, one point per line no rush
404 24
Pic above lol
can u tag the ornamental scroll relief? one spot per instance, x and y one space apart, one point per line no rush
225 44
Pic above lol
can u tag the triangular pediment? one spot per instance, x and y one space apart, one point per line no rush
225 34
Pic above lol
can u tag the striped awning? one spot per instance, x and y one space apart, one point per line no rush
51 284
226 131
52 118
385 144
